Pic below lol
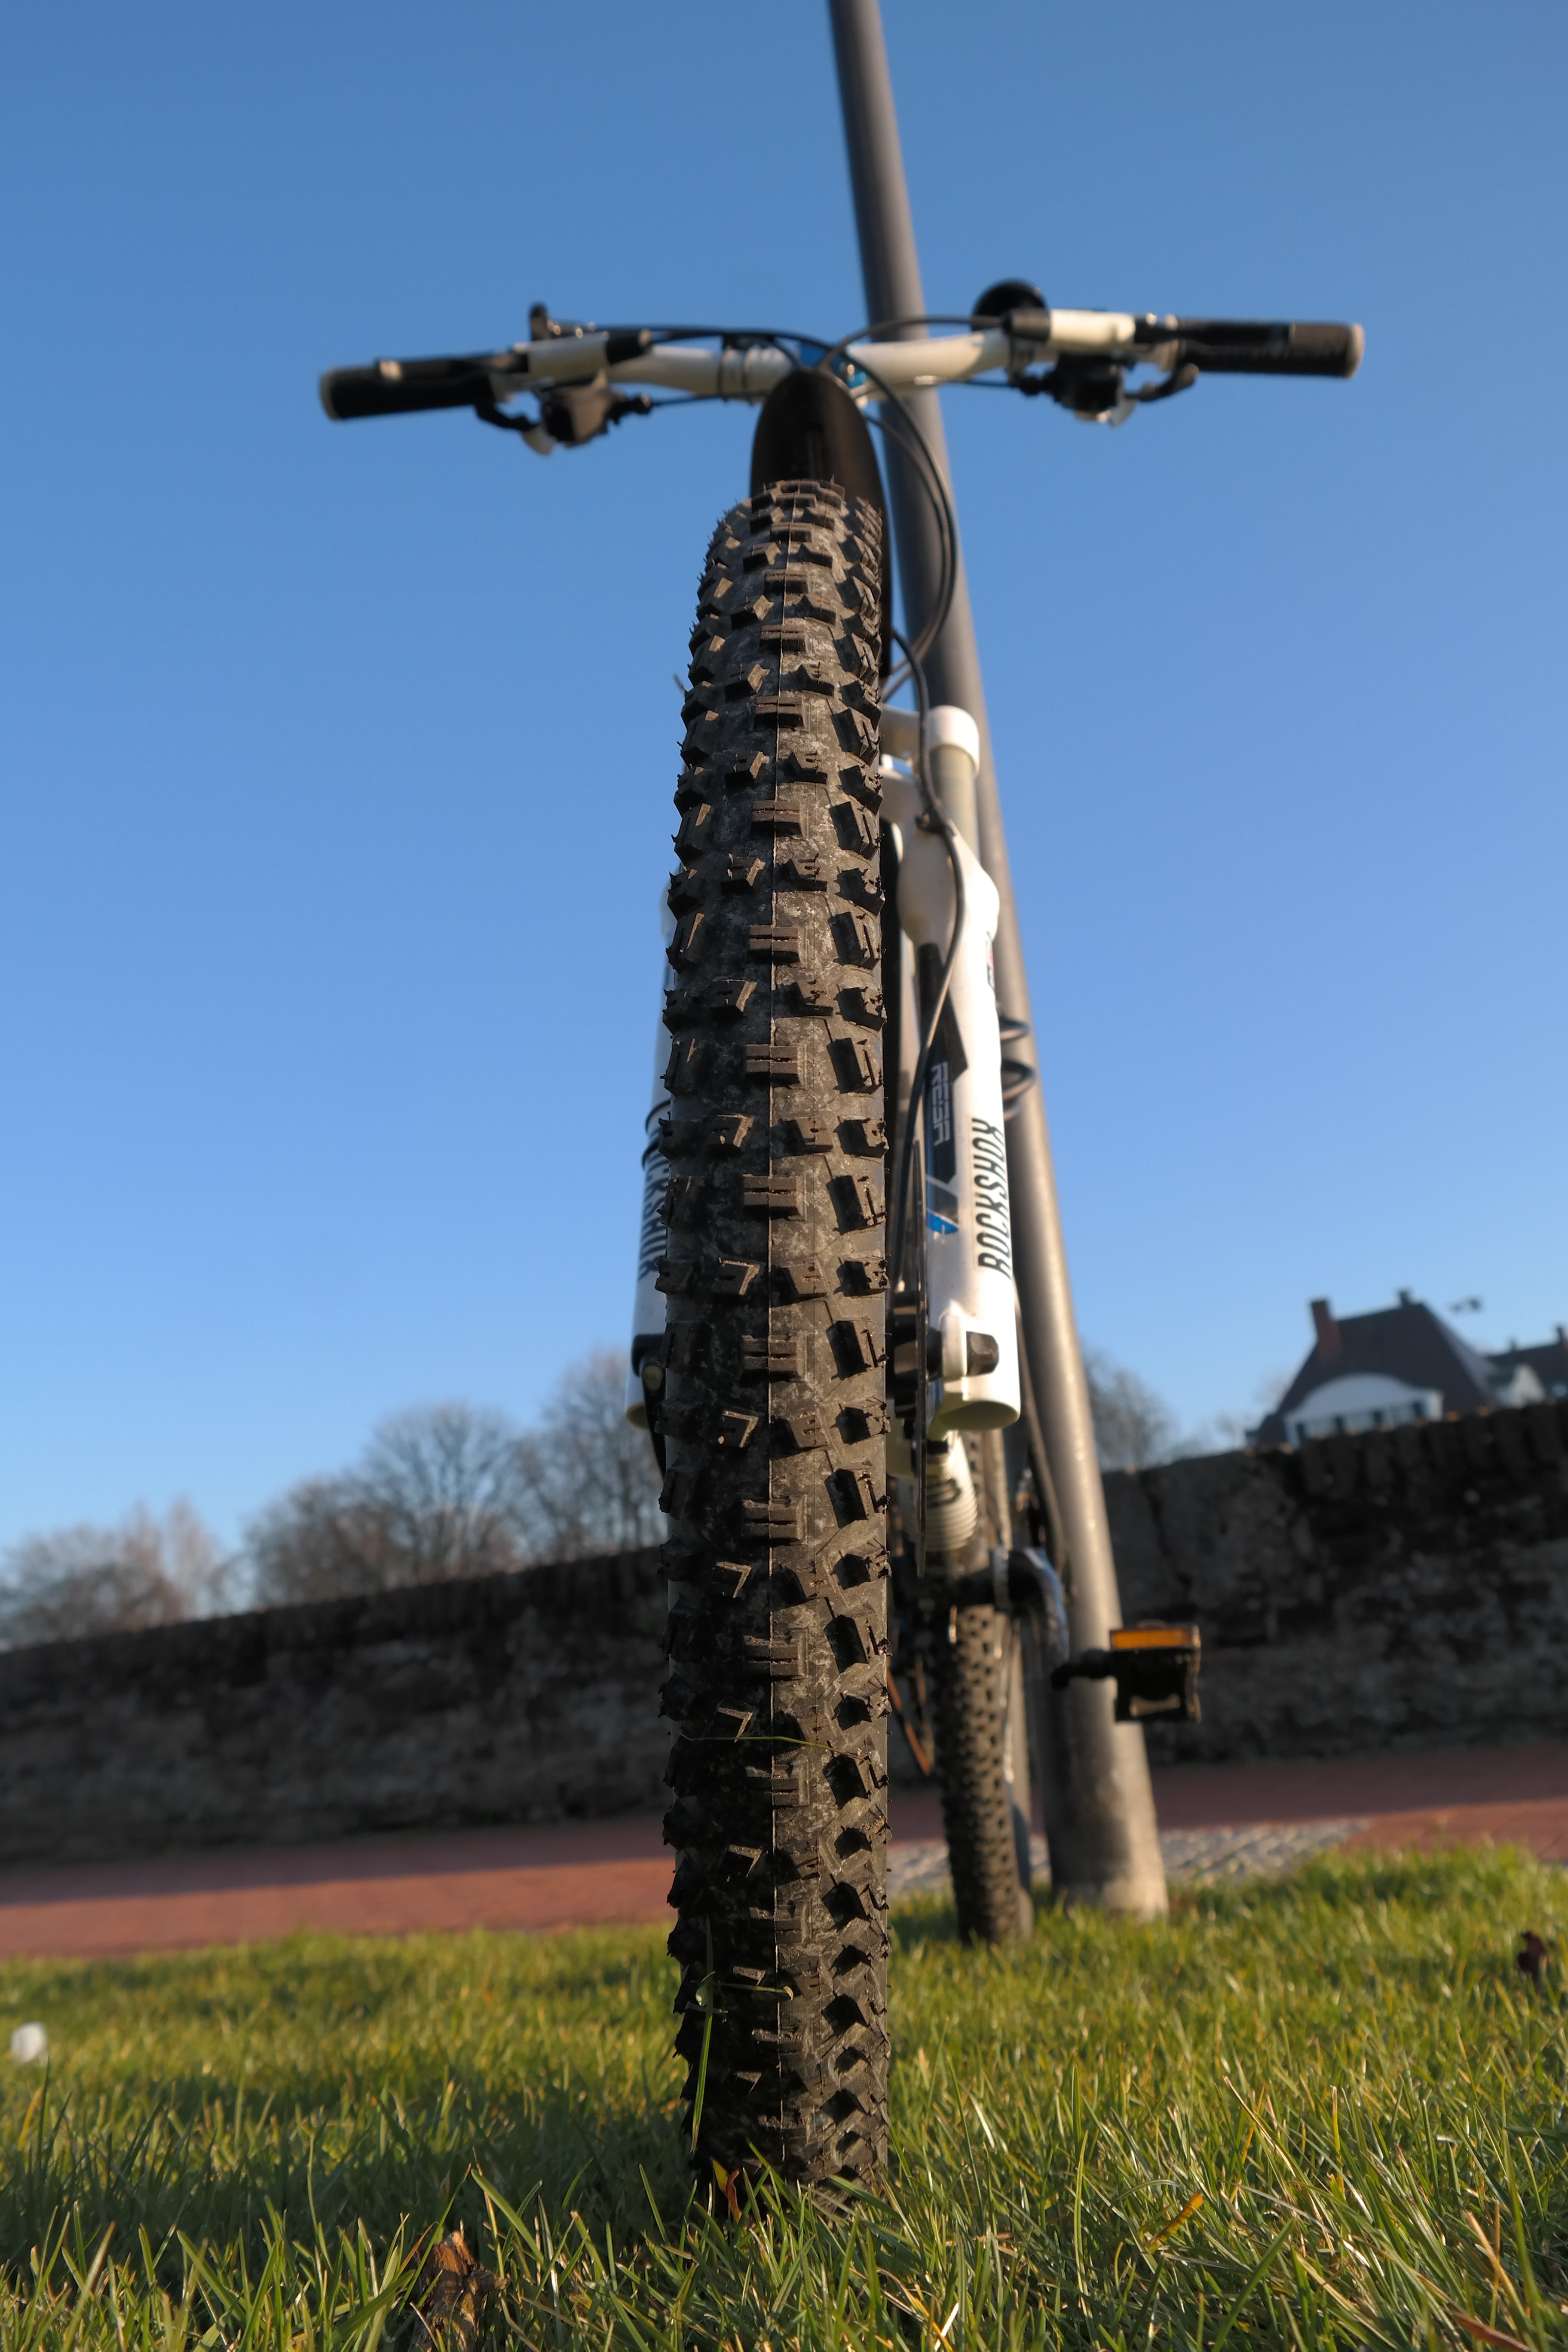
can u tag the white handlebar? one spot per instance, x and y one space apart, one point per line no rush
750 371
743 368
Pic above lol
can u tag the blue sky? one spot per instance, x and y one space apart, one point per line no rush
335 761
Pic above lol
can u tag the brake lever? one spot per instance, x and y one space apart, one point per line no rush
568 417
531 429
1096 392
1179 378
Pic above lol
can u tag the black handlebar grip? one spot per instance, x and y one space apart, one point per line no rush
1245 347
399 387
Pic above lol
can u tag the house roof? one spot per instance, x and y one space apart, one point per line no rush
1405 1342
1548 1363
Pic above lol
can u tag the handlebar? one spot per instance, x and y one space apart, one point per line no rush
1300 347
1215 346
747 367
398 387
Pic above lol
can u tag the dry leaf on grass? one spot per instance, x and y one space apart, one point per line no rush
1485 2334
455 2289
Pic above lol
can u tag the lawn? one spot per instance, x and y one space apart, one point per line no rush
1321 2113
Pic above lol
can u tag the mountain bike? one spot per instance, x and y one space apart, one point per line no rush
824 1348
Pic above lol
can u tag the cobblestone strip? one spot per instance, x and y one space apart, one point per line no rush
1193 1857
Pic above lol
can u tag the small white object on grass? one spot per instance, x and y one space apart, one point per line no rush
28 2045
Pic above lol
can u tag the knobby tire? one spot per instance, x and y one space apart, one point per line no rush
971 1671
773 1414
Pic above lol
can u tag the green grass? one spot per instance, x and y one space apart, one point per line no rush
1344 2069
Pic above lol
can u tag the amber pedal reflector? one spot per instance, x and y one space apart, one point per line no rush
1156 1637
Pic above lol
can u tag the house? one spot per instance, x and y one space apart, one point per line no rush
1403 1363
1549 1362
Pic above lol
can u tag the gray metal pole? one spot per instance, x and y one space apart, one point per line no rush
1099 1806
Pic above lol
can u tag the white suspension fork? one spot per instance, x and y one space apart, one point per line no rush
968 1245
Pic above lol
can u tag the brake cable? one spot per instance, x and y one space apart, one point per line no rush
894 419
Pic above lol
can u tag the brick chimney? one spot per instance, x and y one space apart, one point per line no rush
1327 1329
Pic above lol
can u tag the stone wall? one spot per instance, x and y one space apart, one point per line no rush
1404 1589
512 1698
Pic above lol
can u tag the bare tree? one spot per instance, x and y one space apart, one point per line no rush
591 1479
438 1495
450 1491
86 1580
1132 1426
444 1491
317 1542
446 1482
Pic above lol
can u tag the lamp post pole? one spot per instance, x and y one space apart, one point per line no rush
1099 1805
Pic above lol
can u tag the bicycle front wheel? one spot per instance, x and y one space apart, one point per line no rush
772 1412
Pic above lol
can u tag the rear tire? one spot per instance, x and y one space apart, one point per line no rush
772 1412
982 1755
972 1673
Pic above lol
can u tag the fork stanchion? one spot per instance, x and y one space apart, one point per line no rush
1099 1805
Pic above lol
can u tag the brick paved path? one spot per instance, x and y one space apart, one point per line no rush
1216 1821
